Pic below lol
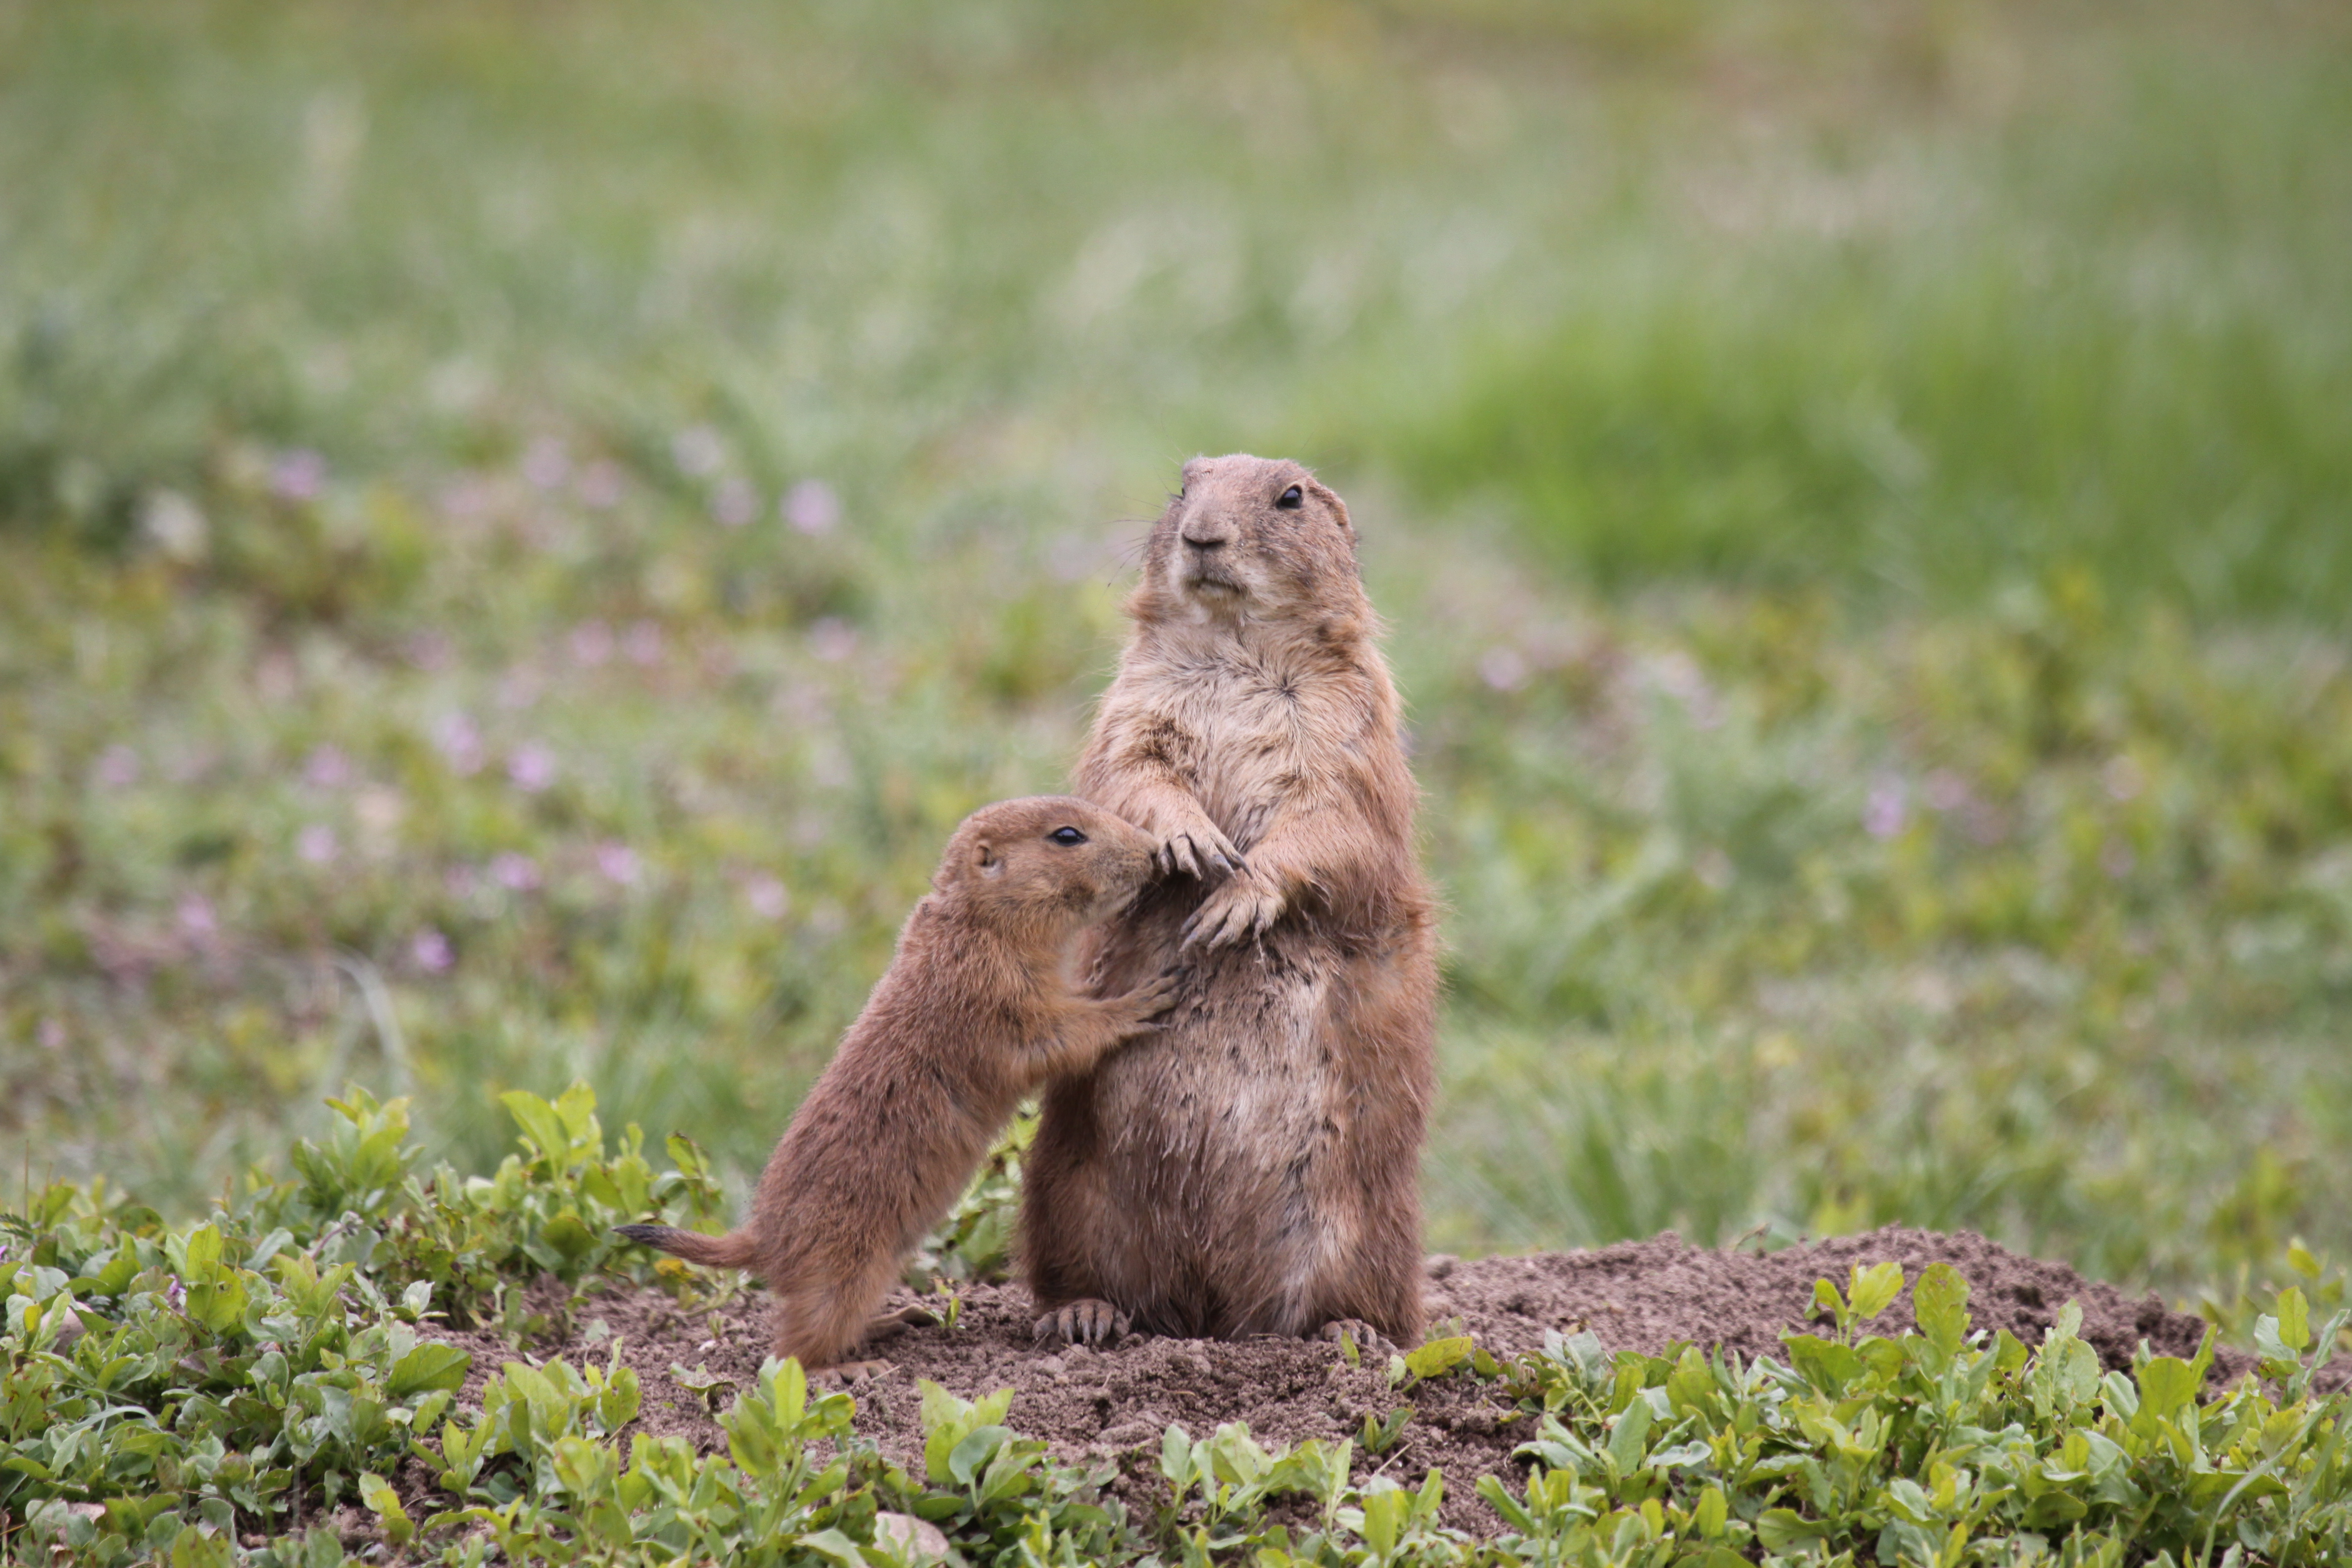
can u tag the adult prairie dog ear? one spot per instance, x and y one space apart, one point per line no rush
986 860
1330 498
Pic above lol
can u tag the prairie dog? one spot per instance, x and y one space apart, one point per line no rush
977 1009
1252 1166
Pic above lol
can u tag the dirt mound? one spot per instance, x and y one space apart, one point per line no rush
1112 1404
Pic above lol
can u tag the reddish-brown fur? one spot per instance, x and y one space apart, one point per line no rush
976 1011
1254 1165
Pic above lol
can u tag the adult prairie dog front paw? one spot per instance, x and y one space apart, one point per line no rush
1197 849
1242 908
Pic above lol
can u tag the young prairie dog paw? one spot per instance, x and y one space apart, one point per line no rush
1242 908
1150 1001
1197 849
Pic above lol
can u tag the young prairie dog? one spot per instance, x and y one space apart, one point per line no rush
1252 1166
976 1011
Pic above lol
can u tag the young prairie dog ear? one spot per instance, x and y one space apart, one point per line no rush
985 859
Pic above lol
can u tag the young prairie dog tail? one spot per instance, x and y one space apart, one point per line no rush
977 1011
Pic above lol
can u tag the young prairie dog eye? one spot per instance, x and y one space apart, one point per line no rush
1067 836
1291 500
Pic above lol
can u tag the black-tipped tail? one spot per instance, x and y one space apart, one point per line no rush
734 1251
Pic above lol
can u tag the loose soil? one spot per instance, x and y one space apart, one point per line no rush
1109 1407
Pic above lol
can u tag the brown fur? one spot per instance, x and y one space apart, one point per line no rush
1254 1167
976 1011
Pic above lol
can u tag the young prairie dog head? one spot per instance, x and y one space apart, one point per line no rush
1247 537
1053 859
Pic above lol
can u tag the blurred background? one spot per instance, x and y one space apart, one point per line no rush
521 527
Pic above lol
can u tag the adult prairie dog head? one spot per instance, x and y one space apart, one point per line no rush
1044 865
1249 539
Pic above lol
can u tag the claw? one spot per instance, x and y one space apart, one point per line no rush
1087 1322
1368 1339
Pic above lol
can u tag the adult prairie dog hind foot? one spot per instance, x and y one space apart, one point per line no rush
977 1011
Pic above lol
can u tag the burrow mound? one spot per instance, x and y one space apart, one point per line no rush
1112 1404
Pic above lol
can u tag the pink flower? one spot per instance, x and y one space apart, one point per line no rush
618 862
735 502
460 744
766 898
118 767
600 485
812 508
515 873
196 918
431 951
833 639
644 643
315 844
699 451
1503 668
531 768
545 463
298 475
1886 810
592 643
327 768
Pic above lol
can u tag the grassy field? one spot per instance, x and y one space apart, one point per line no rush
520 535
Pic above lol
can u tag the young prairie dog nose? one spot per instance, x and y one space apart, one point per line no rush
976 1011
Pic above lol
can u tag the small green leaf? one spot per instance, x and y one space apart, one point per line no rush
384 1503
1513 1512
1712 1513
1176 1458
568 1236
1782 1528
1873 1290
1386 1508
939 1407
1438 1357
2293 1319
2166 1387
1940 1302
540 1125
428 1368
1632 1435
973 1453
1826 1364
2055 1508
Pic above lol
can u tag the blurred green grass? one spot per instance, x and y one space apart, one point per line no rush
518 536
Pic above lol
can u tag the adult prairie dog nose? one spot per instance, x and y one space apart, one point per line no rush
1205 533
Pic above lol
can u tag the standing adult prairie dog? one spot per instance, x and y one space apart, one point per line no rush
1254 1167
977 1008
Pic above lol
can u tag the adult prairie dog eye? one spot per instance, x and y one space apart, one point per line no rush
1291 500
1067 836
